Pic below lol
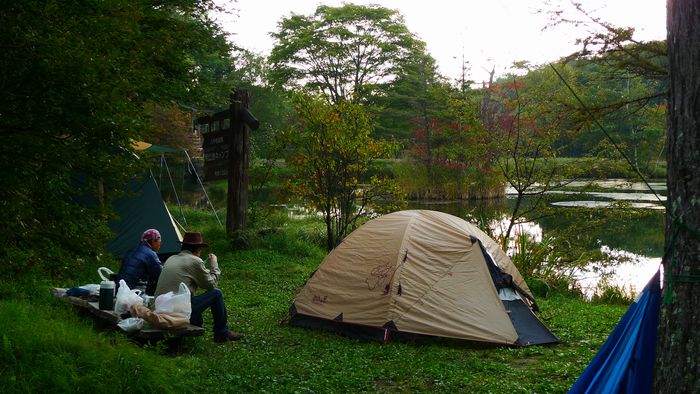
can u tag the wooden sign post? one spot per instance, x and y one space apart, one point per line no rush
237 202
226 145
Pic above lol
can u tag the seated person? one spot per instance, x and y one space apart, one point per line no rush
142 263
187 267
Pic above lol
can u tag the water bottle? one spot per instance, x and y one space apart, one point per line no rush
106 295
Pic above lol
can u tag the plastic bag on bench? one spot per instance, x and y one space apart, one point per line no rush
179 302
126 298
131 324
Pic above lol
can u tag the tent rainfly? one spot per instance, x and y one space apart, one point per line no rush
420 273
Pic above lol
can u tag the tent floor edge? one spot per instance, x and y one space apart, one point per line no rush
357 331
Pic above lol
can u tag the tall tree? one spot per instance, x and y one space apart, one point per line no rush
347 53
416 96
678 364
77 81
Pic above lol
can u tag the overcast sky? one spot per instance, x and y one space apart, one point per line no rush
488 33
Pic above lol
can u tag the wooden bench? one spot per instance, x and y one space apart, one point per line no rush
112 317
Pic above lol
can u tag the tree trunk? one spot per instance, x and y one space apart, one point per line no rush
678 347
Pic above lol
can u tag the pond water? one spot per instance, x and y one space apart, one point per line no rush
637 239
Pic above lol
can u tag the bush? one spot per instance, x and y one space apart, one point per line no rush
440 183
610 293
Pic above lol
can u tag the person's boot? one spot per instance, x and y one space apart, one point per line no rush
229 336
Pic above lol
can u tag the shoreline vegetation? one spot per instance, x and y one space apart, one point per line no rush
439 184
42 336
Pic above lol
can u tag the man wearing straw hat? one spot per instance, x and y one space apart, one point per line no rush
188 267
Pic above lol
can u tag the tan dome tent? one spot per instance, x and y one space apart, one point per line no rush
420 272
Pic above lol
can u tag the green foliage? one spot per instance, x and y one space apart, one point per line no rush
270 105
546 266
347 52
526 119
631 108
623 81
78 82
617 44
449 156
330 150
412 100
439 183
267 189
573 245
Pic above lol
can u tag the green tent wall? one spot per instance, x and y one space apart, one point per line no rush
142 208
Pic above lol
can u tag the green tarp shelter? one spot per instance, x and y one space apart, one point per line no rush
140 209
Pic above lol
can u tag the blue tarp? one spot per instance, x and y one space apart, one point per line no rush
625 363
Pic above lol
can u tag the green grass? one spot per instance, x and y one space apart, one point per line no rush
48 346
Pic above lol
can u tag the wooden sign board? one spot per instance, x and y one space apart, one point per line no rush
216 146
213 172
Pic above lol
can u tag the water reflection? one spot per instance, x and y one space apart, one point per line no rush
630 276
618 196
606 204
619 184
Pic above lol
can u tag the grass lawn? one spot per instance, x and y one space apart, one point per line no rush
49 347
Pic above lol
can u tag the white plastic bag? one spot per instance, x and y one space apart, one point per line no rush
126 298
179 302
131 324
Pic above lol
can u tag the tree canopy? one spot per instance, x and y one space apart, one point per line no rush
78 81
348 52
